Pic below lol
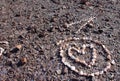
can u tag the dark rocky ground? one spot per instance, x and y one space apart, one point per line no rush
38 24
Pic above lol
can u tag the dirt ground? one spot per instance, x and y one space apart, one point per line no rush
38 24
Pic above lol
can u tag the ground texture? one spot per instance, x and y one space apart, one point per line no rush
38 24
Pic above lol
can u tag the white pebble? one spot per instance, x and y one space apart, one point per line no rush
81 72
113 62
58 71
101 72
1 51
72 67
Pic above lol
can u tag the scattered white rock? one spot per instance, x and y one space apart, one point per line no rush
113 62
1 51
59 71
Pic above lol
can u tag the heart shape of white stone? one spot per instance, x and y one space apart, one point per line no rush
82 51
64 44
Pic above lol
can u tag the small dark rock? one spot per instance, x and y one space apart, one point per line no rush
9 63
28 28
90 25
13 23
43 7
51 58
22 62
98 32
17 15
41 34
16 49
109 35
41 52
106 20
31 29
50 29
83 1
20 37
7 54
53 19
111 28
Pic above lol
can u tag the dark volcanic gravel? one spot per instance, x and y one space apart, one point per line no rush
37 25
